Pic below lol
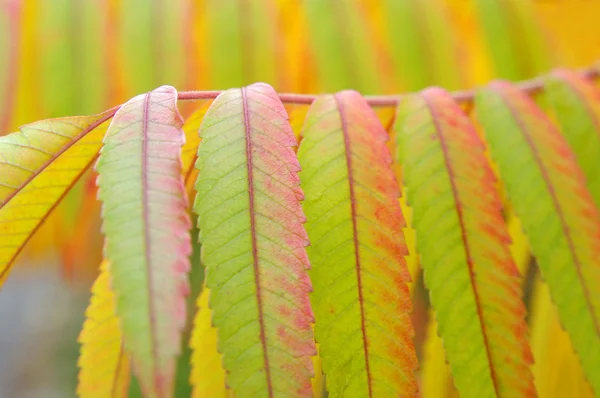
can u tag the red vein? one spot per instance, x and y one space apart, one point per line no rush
457 201
363 325
263 338
556 204
146 217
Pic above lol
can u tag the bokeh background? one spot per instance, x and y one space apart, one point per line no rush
75 57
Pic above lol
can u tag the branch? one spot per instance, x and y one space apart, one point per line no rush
531 86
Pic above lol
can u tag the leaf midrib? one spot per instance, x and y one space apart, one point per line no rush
263 340
147 243
347 148
457 205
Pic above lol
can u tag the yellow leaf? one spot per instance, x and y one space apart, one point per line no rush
190 147
47 156
556 370
207 376
318 381
410 235
436 380
104 366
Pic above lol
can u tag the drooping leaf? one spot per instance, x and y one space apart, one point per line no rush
104 365
361 300
576 103
45 157
463 242
250 222
318 380
549 195
207 375
147 232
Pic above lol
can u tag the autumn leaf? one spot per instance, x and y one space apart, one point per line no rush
207 376
576 104
361 299
463 242
549 195
45 157
146 225
104 365
250 221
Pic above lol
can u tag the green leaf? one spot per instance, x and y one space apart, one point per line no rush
463 242
361 299
253 243
548 192
576 103
146 225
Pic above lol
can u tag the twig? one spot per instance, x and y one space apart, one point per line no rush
531 86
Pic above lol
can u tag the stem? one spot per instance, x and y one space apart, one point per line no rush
531 86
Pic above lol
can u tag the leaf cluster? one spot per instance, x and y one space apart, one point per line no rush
303 233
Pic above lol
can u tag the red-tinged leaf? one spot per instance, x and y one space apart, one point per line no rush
147 232
576 103
253 244
463 241
361 299
547 189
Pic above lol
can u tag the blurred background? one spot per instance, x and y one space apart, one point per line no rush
76 57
